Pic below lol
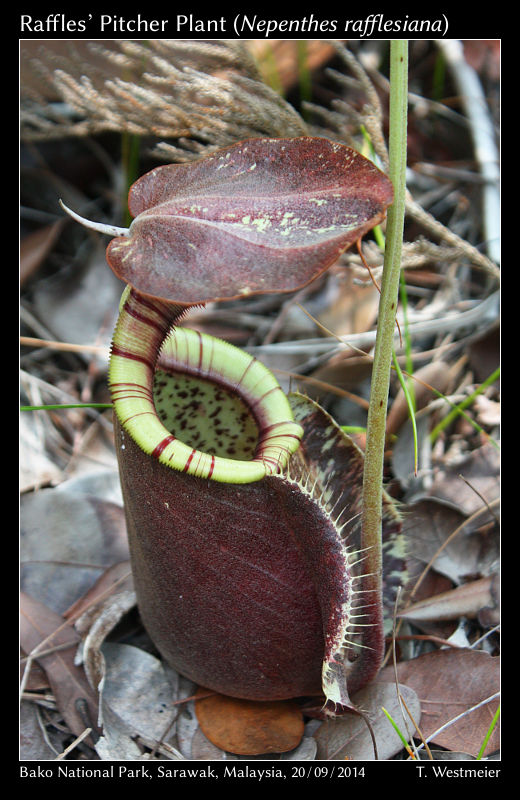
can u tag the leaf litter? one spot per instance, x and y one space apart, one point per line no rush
73 547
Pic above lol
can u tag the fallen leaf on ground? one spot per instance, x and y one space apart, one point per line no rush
35 247
115 579
466 600
429 524
66 541
465 483
348 737
137 690
108 615
68 682
33 746
247 727
449 682
353 310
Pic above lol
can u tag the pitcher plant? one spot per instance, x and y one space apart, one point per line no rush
243 505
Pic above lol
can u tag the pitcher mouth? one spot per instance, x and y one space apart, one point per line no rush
269 433
138 340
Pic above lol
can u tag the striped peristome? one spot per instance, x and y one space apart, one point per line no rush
144 329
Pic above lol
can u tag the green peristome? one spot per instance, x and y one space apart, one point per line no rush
142 332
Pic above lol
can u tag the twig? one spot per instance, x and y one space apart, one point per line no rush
436 228
31 341
73 744
486 154
482 313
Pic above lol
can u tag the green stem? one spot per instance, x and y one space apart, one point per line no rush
374 454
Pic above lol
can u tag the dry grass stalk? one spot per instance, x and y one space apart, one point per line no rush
208 92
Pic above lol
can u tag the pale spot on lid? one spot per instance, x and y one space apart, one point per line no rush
286 217
262 223
325 230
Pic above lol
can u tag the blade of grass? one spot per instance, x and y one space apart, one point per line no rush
410 402
130 147
488 734
396 729
459 409
304 73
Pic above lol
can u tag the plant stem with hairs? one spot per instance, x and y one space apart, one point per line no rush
376 424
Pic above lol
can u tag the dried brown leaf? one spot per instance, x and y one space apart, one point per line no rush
431 523
116 578
68 682
35 247
466 600
349 738
107 617
353 308
248 727
462 483
449 682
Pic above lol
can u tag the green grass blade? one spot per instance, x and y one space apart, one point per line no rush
396 729
353 429
459 409
410 402
488 734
